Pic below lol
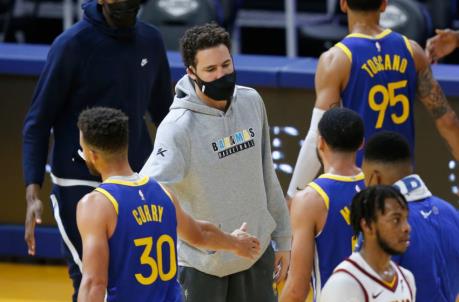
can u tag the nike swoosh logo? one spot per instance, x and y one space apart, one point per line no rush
425 214
376 295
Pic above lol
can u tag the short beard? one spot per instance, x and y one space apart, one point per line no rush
386 247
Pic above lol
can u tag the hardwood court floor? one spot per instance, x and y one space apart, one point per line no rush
34 283
39 283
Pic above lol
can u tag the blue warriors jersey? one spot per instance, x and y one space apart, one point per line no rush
335 242
382 83
143 257
433 254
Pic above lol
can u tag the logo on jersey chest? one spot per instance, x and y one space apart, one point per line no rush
374 296
234 143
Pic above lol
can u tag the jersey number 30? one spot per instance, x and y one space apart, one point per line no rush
156 265
389 98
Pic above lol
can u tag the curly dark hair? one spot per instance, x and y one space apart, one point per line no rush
369 201
105 129
342 129
202 37
387 147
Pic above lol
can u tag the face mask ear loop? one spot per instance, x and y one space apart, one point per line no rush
198 80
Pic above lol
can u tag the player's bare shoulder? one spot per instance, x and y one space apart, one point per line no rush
97 210
336 55
308 201
336 58
334 67
92 198
421 61
95 203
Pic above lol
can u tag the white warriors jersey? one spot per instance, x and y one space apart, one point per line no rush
353 280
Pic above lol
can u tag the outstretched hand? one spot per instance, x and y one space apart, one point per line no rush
281 264
246 245
33 216
442 44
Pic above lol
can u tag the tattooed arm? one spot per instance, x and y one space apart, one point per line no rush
431 95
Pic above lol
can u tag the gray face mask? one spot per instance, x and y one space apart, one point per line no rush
221 89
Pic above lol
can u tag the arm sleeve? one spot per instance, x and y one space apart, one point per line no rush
307 165
277 205
168 163
53 89
161 94
341 288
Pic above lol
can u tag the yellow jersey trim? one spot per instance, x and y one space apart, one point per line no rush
109 197
378 36
345 49
322 193
136 183
357 177
408 45
391 284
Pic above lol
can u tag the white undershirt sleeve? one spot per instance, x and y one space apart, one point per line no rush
307 165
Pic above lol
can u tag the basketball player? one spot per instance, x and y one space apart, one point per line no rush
129 224
322 235
377 73
433 254
380 213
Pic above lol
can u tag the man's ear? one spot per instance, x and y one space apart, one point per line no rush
93 156
383 6
378 177
343 6
366 227
320 143
373 176
191 73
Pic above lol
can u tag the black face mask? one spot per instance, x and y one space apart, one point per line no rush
123 14
221 89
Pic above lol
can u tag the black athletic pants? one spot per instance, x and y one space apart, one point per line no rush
252 285
64 201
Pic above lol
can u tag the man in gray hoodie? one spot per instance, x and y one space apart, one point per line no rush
213 151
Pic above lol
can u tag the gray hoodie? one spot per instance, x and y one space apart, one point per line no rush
219 167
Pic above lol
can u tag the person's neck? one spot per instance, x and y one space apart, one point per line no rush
116 169
341 164
220 105
364 23
378 260
393 173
